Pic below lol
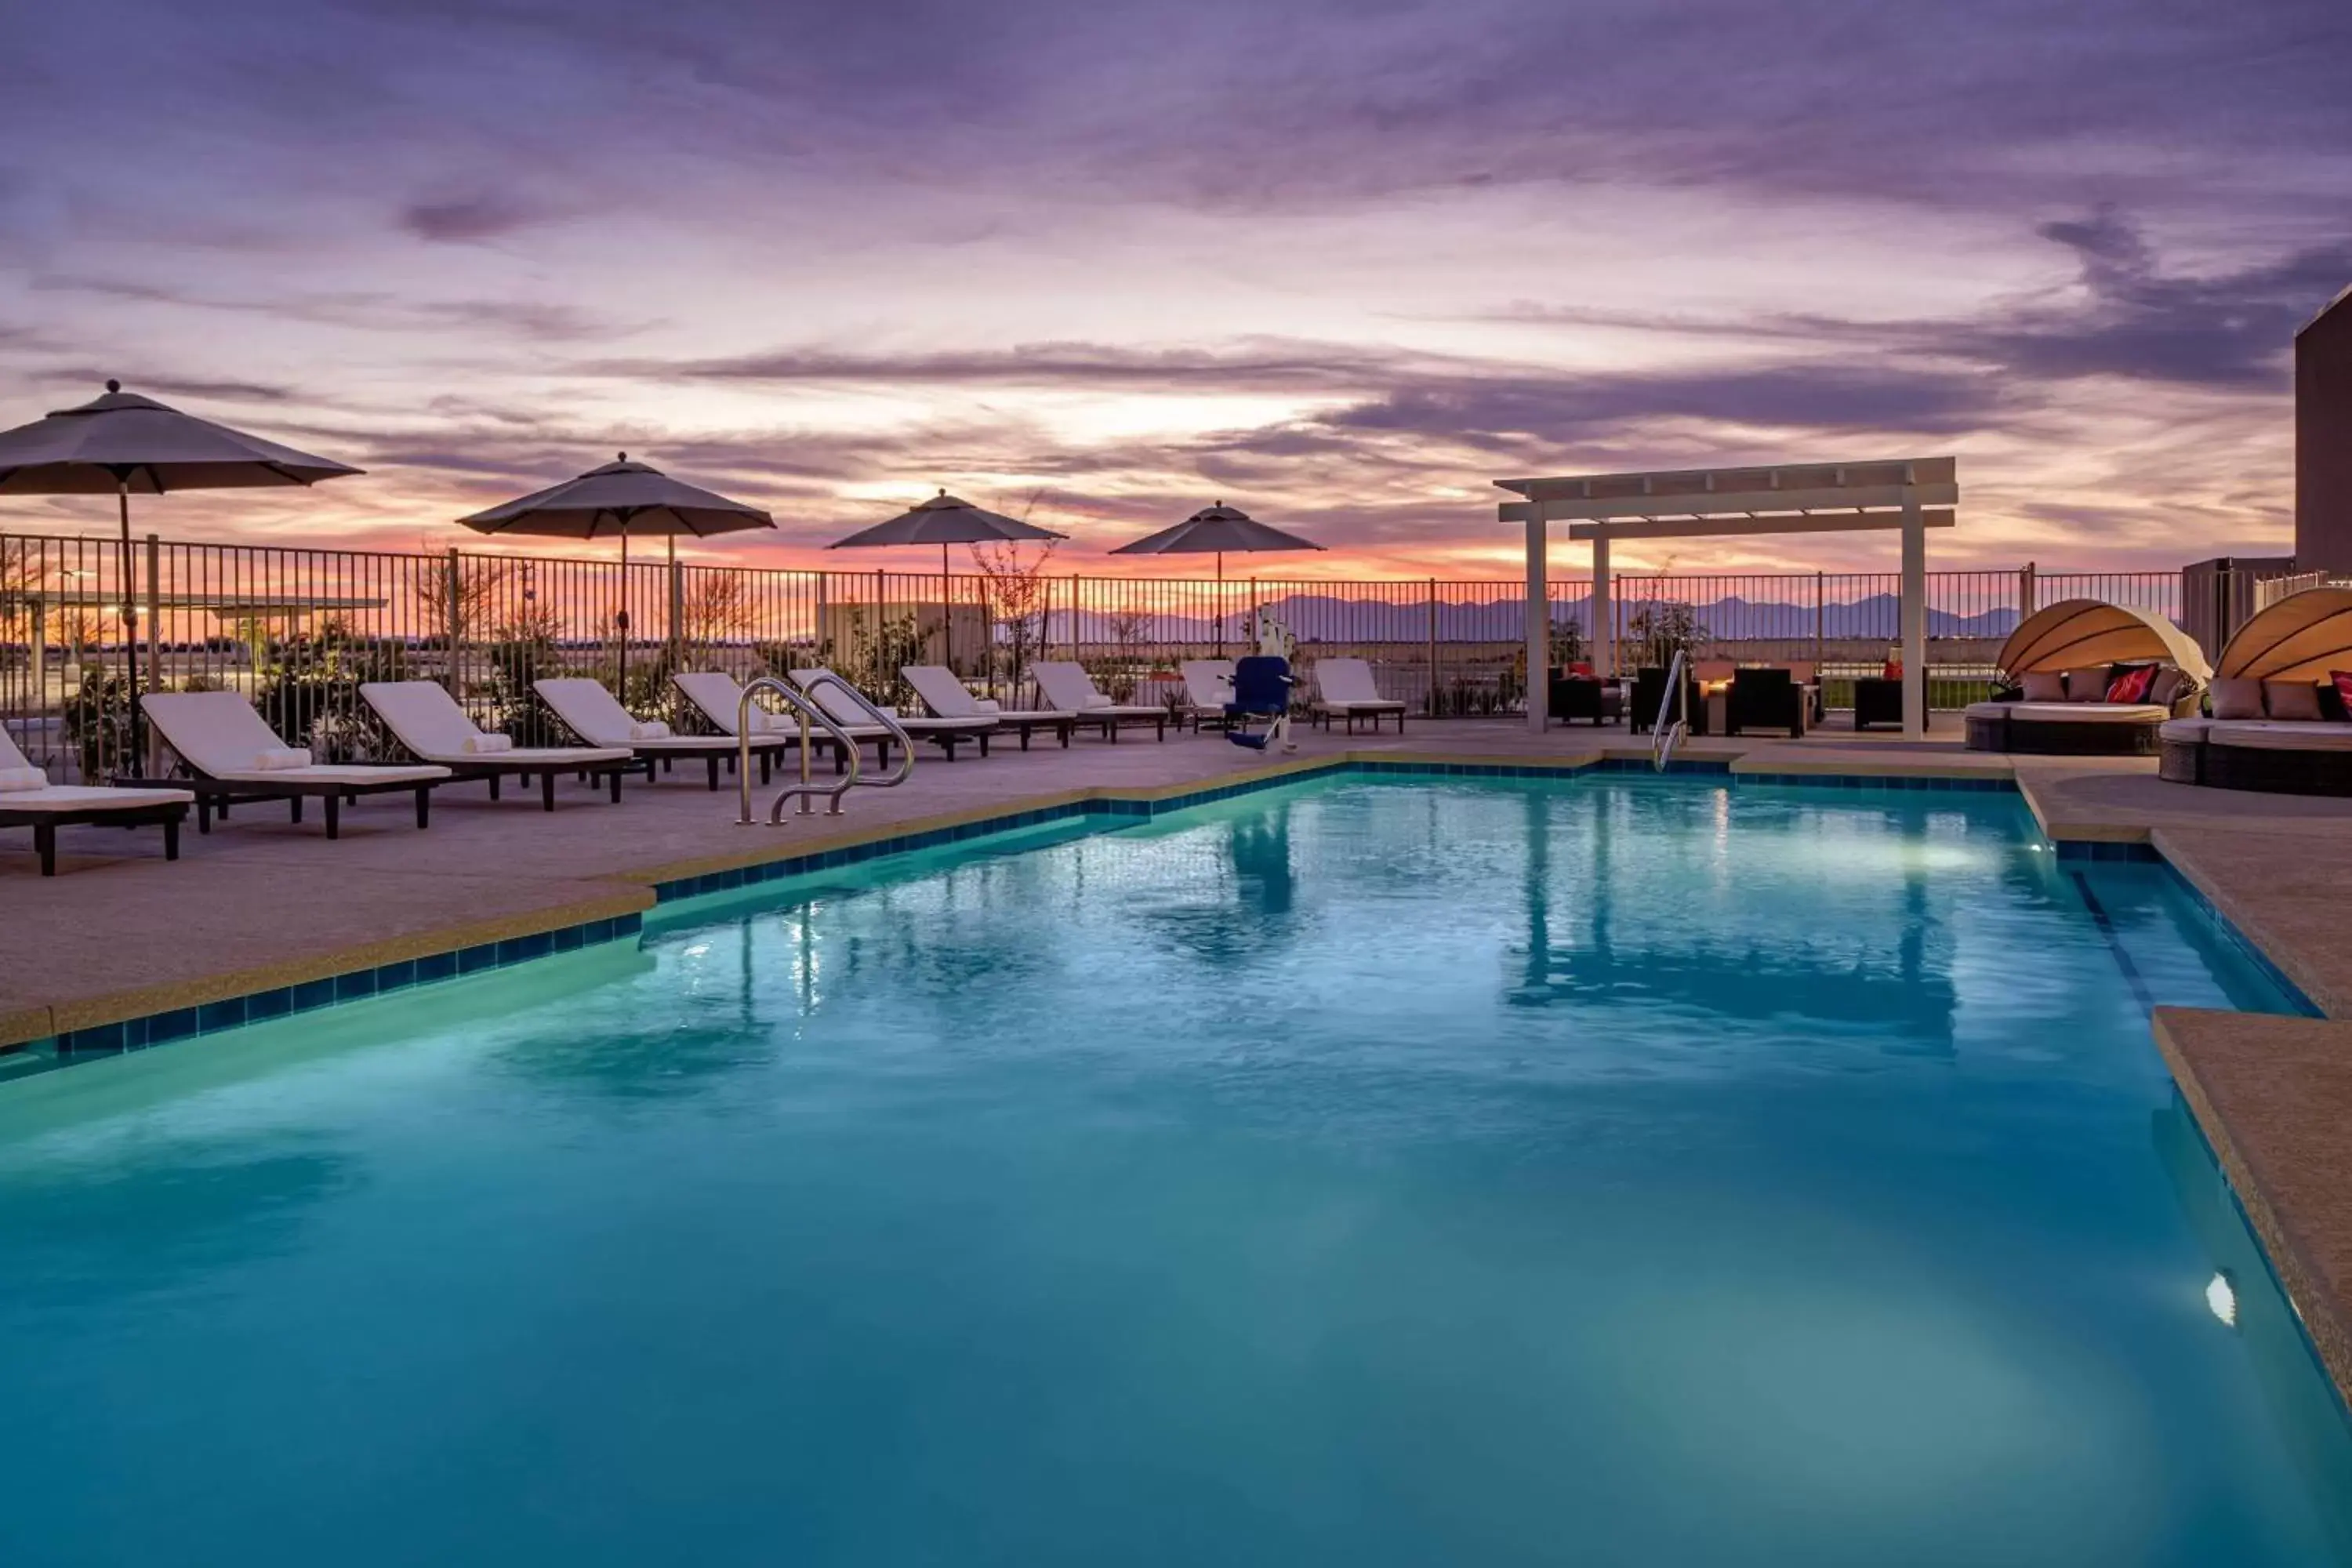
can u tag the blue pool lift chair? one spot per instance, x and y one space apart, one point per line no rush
1259 714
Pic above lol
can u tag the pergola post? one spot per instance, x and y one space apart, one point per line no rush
1603 614
1539 618
1914 618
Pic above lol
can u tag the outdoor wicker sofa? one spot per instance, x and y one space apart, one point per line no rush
2088 679
2279 720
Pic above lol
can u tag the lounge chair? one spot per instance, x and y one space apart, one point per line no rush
1208 690
592 712
945 694
1581 694
1067 688
427 720
28 799
944 733
1344 690
231 757
718 696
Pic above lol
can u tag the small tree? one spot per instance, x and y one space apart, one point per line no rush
1017 587
1660 629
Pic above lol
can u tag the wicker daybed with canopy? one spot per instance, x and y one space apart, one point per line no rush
2278 721
2061 666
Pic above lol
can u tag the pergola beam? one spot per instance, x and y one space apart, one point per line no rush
1736 527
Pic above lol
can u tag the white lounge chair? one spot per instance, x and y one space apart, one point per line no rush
590 711
28 799
945 694
1067 688
1344 690
1208 687
232 758
718 696
944 732
427 720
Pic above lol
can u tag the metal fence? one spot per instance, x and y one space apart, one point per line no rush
296 631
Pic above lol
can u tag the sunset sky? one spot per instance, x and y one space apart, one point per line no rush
1341 262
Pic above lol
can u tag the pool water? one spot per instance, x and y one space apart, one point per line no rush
1365 1172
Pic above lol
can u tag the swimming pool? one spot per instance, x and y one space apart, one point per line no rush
1366 1171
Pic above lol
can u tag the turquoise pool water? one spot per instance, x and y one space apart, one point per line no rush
1370 1171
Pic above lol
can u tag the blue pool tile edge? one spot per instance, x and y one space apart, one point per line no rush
356 985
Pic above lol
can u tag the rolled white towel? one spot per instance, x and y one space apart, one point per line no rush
479 744
650 730
14 781
989 705
281 759
766 723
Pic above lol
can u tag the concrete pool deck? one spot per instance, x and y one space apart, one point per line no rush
261 903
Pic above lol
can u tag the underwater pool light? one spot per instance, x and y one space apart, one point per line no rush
2222 1299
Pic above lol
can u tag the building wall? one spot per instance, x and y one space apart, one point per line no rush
2323 441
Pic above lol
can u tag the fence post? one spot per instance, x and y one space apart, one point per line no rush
1821 616
1431 705
453 613
677 602
2025 592
150 759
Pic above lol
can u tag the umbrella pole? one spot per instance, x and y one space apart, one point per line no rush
138 752
623 619
1220 617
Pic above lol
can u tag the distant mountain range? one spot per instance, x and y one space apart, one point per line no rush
1320 618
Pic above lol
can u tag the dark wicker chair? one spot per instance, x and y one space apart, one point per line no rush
1764 699
1572 697
1650 691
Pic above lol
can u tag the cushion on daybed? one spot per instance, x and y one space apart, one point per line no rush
2236 697
2288 735
2167 686
2342 680
2297 701
2044 686
2085 712
2188 729
2130 685
2087 685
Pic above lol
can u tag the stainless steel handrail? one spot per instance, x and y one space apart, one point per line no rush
807 712
825 677
1663 735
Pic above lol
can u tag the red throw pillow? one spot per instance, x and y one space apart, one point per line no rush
1580 667
2343 680
2132 685
1893 671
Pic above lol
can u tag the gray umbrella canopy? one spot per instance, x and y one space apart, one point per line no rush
622 498
945 520
122 443
1218 530
130 444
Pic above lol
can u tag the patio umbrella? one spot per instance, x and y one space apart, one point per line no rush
1216 530
621 498
128 444
943 520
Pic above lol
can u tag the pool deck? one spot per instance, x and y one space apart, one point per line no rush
261 903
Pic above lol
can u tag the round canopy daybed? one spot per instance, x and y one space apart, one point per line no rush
2058 667
2278 722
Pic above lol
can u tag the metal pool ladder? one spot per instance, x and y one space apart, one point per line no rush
801 700
1662 734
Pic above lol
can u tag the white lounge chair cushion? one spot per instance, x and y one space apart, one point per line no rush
278 759
1346 683
14 781
2190 729
2280 735
429 723
91 797
483 745
649 729
2085 712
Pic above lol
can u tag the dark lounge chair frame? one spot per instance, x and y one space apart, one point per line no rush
216 795
169 815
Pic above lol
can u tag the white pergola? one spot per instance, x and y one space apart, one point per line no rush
1913 494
